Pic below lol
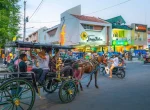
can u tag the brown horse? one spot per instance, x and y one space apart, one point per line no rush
90 67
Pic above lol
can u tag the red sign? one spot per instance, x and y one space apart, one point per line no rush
142 28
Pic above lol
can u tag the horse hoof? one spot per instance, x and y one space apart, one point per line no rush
81 89
87 86
96 86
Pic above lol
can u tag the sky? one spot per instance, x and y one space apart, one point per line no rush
134 11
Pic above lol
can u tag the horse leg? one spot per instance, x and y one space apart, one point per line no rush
89 81
77 88
96 79
81 86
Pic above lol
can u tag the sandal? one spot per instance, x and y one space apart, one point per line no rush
110 76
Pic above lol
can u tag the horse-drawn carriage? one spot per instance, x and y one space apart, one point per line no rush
18 89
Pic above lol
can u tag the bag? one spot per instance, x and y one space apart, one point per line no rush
107 70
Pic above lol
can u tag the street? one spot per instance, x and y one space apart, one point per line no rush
130 93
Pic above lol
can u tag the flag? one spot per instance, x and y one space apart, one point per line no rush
62 35
14 38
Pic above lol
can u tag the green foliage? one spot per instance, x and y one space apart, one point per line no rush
9 20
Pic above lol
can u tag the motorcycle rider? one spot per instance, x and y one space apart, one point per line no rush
115 63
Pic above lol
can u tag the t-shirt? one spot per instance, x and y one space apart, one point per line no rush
116 61
43 63
22 66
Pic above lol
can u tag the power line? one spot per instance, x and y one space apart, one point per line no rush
36 9
91 12
110 7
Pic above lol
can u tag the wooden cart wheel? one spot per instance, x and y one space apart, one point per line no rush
67 91
50 85
17 94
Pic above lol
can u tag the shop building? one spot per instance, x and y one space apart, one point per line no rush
139 36
37 36
121 34
127 37
85 32
148 39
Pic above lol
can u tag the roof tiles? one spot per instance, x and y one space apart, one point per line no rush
89 18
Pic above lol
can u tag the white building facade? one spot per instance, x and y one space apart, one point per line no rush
77 30
80 30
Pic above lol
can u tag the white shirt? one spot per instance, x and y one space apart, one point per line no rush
116 61
43 63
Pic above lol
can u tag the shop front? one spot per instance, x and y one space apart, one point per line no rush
120 46
139 36
121 39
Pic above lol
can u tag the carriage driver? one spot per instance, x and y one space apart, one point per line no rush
115 63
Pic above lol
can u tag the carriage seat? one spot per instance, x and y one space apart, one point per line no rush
51 74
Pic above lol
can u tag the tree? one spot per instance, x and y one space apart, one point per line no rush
9 20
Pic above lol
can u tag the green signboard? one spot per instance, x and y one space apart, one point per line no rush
116 42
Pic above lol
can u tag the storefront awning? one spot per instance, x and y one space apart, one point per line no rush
125 27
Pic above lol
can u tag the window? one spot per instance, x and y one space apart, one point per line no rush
52 35
63 18
85 26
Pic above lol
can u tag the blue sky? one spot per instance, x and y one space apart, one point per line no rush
134 11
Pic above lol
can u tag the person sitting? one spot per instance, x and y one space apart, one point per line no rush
64 71
40 66
22 64
115 63
53 61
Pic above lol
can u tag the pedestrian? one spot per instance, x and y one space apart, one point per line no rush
139 55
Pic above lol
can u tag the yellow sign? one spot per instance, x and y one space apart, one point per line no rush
84 35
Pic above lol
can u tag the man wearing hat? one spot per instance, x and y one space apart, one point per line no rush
40 64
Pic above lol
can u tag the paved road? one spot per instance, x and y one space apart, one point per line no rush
131 93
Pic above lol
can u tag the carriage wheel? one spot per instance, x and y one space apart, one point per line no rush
67 91
50 86
17 94
121 74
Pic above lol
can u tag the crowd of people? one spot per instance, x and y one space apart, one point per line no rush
39 61
43 61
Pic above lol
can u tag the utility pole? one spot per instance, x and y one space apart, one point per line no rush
24 30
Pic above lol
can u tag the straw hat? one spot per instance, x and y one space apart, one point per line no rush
42 55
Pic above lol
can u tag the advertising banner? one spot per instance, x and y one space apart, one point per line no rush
140 28
93 38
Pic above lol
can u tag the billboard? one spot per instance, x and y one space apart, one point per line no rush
140 28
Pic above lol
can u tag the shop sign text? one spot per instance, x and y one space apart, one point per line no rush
141 28
93 38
